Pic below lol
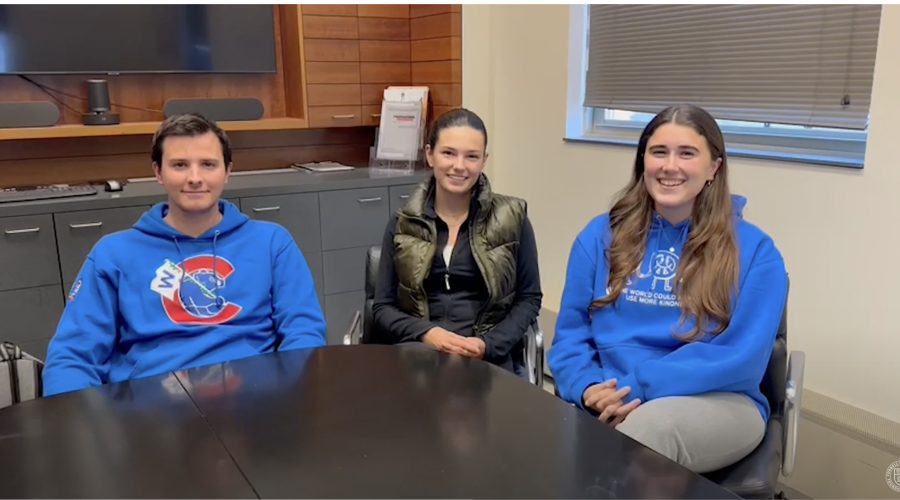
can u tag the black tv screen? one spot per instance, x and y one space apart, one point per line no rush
113 39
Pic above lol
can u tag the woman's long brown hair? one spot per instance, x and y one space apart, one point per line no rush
707 273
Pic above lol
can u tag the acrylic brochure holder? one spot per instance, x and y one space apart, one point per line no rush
399 138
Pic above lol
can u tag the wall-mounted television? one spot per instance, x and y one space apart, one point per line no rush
122 39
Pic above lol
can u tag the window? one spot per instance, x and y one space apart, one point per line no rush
789 82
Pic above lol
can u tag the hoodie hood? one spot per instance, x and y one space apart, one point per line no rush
738 203
152 223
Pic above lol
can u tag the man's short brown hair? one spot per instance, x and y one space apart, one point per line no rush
188 125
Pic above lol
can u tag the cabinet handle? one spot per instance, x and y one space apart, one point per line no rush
85 224
342 117
23 231
369 200
404 196
266 209
376 115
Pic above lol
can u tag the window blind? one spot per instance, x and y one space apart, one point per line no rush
808 65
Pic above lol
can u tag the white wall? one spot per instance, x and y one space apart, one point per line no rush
839 230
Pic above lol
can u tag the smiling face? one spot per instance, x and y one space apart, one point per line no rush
458 158
677 165
193 172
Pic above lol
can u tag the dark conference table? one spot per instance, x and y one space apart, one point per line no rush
336 422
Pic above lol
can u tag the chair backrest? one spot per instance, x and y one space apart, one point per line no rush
373 258
774 381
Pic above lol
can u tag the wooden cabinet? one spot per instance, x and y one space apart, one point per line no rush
352 53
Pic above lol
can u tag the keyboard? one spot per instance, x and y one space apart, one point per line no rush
45 192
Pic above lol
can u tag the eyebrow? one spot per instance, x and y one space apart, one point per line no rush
684 146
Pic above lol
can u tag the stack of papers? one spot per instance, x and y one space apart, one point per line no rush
325 166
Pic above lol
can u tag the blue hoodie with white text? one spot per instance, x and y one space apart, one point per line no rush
151 300
632 340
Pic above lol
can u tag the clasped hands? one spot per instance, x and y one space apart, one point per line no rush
607 399
449 342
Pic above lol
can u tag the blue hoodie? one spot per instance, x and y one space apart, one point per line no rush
151 300
632 340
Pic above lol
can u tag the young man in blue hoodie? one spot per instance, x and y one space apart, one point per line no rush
672 303
193 283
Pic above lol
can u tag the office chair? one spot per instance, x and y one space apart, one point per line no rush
756 476
361 327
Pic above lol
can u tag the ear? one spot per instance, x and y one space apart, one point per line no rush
429 155
228 171
157 171
715 168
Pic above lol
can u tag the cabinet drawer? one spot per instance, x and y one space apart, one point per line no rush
345 270
400 195
353 218
30 314
339 310
335 116
78 232
329 94
28 252
371 115
298 213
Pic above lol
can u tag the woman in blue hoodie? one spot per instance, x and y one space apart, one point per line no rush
672 303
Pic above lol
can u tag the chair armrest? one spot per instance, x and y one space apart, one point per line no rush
534 354
354 331
793 404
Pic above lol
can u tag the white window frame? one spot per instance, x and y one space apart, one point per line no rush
832 147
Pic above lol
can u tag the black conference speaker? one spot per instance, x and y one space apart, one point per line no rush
28 114
98 101
219 110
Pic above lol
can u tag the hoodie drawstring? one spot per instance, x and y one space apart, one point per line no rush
215 274
183 271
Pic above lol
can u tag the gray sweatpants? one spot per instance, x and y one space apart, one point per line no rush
703 433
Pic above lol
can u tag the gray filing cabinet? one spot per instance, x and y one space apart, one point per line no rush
352 221
78 232
299 214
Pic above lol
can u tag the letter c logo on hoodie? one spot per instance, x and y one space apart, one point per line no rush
191 292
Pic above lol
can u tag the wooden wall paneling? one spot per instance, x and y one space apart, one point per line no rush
292 58
384 51
320 50
330 27
330 10
384 72
371 28
384 47
149 92
332 72
332 65
392 11
424 10
436 53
